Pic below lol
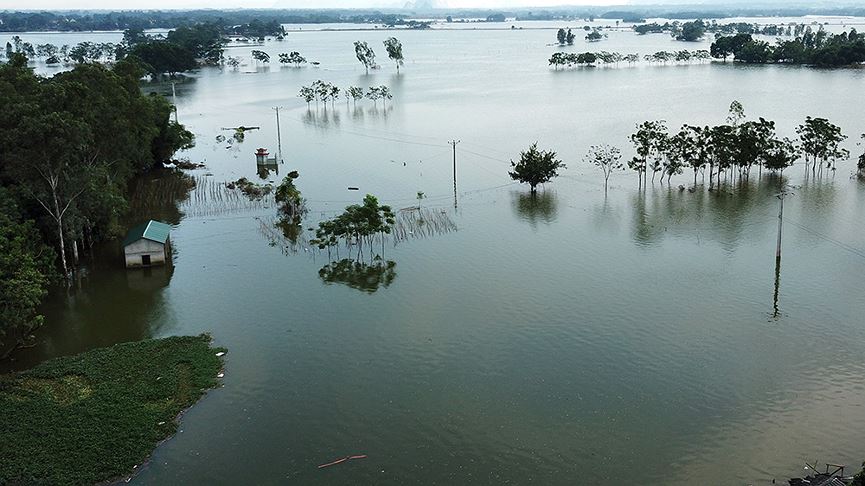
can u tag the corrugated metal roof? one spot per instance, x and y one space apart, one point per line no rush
151 230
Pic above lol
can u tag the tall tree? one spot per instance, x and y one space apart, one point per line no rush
364 54
607 158
536 167
394 51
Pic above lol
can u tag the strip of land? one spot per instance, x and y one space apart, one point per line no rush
93 417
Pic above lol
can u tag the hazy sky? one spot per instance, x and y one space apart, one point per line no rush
167 4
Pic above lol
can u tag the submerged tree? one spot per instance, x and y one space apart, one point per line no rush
607 158
821 142
364 54
394 51
861 164
649 143
356 226
261 56
536 167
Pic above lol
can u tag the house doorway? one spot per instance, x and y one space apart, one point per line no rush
145 260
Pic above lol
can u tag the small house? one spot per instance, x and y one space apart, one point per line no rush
147 244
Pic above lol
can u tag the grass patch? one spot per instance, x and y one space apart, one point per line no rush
90 418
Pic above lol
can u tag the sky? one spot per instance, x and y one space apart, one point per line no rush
184 4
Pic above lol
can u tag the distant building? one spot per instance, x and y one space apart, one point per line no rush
147 244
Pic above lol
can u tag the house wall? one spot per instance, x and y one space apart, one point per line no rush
134 251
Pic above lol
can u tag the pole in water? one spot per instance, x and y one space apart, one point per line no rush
454 144
278 135
781 197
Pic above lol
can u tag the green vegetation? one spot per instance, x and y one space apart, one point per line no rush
288 196
570 59
738 145
691 31
26 269
813 48
536 167
394 51
565 37
365 55
70 145
594 36
327 92
292 58
93 417
357 225
71 142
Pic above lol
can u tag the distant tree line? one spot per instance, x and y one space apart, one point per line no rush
69 145
321 91
569 59
695 30
247 22
813 48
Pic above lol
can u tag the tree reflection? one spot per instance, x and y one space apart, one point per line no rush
367 277
536 208
724 214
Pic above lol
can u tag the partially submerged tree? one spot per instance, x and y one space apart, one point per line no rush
821 142
607 158
536 167
261 56
364 54
394 51
356 226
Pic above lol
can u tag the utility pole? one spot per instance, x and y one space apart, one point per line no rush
781 195
454 144
278 135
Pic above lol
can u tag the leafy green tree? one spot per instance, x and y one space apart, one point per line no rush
821 142
355 92
133 36
692 31
594 36
536 167
356 226
394 51
288 196
260 56
364 54
203 41
561 36
569 37
26 269
649 143
780 154
724 47
607 158
161 57
292 58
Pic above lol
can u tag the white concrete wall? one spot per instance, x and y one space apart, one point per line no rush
133 252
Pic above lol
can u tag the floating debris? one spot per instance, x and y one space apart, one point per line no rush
341 460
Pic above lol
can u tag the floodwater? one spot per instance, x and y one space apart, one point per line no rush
575 337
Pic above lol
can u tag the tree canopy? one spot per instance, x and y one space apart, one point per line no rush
536 167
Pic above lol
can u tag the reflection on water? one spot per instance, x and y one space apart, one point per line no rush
367 277
728 214
538 207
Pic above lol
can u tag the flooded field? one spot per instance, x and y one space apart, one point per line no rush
573 335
